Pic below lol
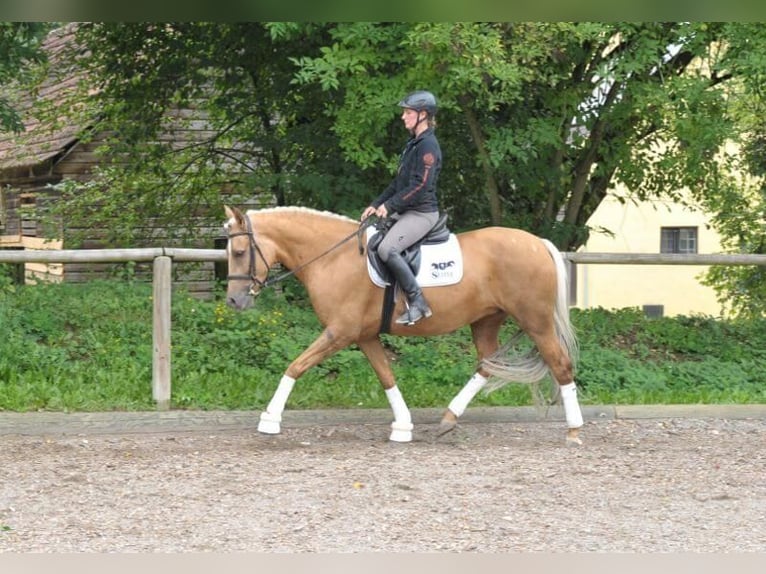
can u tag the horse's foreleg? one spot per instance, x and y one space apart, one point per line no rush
401 428
271 418
324 346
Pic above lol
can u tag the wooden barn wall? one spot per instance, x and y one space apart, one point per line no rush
19 211
10 222
22 194
76 162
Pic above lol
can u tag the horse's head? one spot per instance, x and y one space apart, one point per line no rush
248 267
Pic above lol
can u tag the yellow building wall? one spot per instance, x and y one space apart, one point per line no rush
637 229
33 272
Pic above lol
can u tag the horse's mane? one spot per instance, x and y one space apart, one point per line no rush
301 209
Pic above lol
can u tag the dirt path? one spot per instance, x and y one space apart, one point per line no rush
670 485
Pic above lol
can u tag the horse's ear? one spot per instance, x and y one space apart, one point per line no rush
234 213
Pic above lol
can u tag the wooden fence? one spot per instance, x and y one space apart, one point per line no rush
163 259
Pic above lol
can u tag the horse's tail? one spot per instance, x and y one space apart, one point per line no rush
513 364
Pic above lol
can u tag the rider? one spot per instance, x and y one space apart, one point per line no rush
411 199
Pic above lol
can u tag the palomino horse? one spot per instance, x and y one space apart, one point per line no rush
508 273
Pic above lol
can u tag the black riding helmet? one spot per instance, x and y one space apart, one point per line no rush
420 100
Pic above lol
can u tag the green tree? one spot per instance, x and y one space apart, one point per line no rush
262 135
19 52
538 120
739 209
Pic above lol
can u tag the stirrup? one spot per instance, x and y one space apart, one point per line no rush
413 314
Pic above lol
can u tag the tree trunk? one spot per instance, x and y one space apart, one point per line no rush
490 183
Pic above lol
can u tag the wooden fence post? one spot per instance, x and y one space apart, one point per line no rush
161 286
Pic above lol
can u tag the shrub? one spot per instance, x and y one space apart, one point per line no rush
89 347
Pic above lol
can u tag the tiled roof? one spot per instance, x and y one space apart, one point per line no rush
42 142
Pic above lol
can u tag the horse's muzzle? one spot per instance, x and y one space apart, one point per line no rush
240 301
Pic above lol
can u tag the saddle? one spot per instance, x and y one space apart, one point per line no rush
439 233
442 263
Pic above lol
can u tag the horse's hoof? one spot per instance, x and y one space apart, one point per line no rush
401 432
572 438
269 424
445 426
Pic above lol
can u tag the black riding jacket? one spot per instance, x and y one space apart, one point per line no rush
414 187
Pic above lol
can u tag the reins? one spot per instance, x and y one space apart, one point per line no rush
254 249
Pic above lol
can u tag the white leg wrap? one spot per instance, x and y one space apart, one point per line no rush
401 428
571 405
401 412
467 393
272 416
278 401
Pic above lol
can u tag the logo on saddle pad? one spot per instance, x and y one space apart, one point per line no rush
441 264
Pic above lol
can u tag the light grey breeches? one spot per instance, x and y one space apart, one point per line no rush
410 227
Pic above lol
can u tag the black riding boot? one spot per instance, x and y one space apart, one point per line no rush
417 306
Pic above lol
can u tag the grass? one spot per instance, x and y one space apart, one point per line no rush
89 348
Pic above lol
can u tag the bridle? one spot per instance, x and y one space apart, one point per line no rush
254 252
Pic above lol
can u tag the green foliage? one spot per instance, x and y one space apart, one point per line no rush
19 52
257 135
739 216
89 348
739 209
538 121
634 359
7 275
69 347
529 108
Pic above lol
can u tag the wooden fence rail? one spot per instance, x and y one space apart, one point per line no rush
163 258
109 255
665 258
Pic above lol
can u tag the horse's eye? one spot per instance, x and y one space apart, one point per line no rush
239 252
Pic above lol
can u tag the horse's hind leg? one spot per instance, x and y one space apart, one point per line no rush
485 338
401 428
560 365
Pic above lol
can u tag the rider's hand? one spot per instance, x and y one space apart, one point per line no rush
367 212
382 212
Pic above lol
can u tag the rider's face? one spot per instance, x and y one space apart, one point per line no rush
410 118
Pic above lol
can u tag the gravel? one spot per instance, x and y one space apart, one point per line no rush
670 485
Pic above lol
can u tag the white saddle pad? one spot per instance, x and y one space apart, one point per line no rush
440 264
